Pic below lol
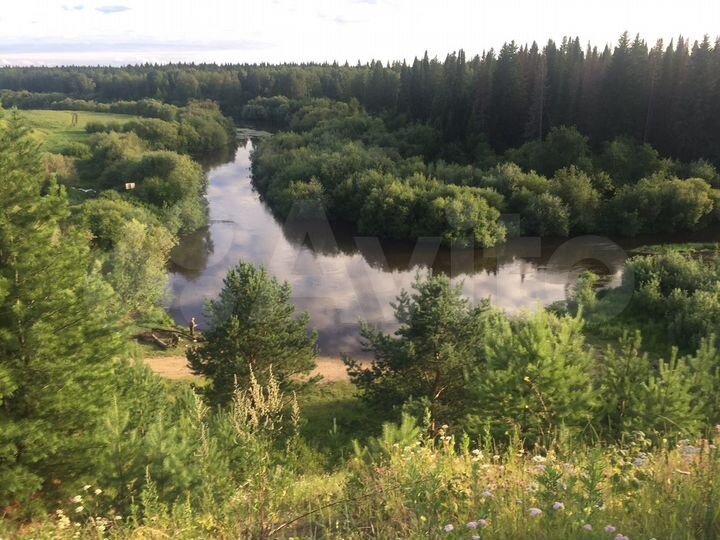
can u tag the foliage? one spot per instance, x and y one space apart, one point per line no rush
562 148
59 333
200 131
107 215
439 337
583 201
663 94
535 381
435 486
138 266
639 397
656 205
58 132
681 290
252 331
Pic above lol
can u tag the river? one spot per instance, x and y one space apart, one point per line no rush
339 279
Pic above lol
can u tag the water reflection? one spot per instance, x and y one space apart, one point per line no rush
339 278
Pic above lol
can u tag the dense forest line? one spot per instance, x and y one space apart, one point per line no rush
400 181
667 95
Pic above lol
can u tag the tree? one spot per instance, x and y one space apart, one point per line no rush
535 380
638 396
544 214
59 332
107 215
138 266
252 330
576 190
439 338
627 162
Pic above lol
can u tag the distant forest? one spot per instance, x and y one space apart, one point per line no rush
667 95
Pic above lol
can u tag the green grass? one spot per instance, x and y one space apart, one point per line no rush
333 416
54 130
689 248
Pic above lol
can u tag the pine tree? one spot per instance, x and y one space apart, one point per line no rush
59 331
536 379
440 336
624 369
638 396
705 366
252 330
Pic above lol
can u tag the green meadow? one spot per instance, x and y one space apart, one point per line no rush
55 130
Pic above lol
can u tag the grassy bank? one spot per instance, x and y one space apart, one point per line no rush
419 487
55 130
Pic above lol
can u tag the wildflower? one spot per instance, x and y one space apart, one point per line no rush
609 529
77 499
621 537
640 461
587 527
474 537
79 509
534 512
449 528
487 494
63 520
557 505
482 522
472 525
98 491
86 487
539 459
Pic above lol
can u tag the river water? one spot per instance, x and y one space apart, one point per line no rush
339 278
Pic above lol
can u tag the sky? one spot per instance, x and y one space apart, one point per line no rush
117 32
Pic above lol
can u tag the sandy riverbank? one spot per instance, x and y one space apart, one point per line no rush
176 368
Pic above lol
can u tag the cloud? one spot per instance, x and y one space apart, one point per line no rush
76 7
344 20
140 46
112 9
373 2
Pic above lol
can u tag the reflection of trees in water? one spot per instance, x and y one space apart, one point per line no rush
190 257
221 156
309 228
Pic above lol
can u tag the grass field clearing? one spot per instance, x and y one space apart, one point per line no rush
56 129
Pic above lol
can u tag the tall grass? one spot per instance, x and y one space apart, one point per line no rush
440 487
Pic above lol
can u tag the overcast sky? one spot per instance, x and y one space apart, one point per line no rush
132 31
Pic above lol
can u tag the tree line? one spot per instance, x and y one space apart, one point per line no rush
401 182
665 94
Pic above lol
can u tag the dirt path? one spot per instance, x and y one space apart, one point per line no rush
176 368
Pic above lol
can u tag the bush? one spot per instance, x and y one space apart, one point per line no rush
535 380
